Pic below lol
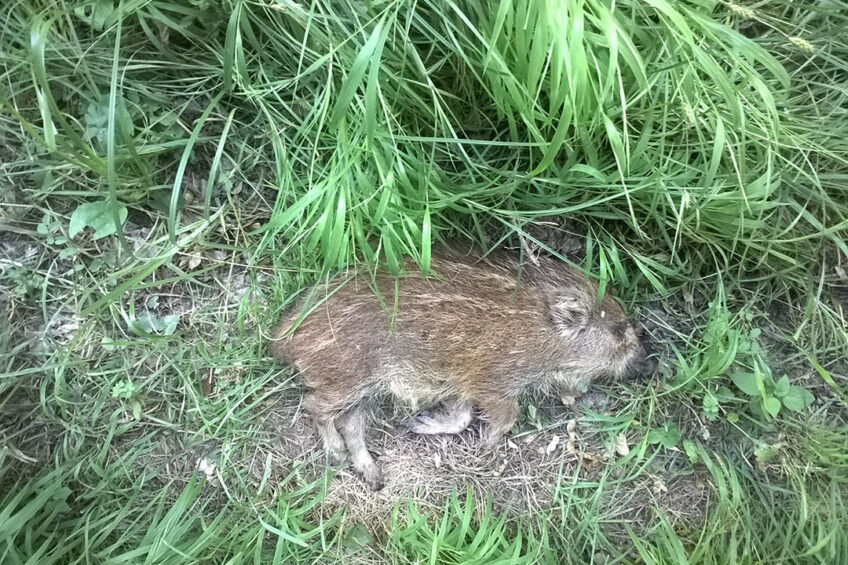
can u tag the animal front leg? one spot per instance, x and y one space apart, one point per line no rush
325 425
571 388
570 398
334 445
498 415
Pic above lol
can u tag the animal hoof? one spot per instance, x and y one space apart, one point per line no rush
372 477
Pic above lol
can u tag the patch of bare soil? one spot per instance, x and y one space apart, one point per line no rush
31 328
24 436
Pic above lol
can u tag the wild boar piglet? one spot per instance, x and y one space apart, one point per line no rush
469 339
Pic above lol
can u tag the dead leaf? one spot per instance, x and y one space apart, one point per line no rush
206 384
621 446
552 445
572 437
591 461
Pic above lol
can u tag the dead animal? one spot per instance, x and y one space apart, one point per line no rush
470 338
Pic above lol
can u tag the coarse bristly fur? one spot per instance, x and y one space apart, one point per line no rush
471 337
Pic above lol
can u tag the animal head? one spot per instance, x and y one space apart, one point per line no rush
604 343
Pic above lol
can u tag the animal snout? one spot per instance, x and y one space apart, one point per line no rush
647 367
644 364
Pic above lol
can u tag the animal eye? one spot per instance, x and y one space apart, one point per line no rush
620 330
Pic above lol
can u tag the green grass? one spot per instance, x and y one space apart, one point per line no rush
229 153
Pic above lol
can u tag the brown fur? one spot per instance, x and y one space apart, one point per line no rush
474 335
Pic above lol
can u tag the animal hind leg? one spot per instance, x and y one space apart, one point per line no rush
451 418
334 445
352 426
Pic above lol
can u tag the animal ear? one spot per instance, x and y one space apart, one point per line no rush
569 308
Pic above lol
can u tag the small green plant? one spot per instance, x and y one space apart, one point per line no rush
127 392
712 400
531 416
51 228
124 389
768 396
97 121
150 323
667 436
721 343
725 346
97 215
26 283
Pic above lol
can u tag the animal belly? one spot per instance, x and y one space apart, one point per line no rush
412 387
